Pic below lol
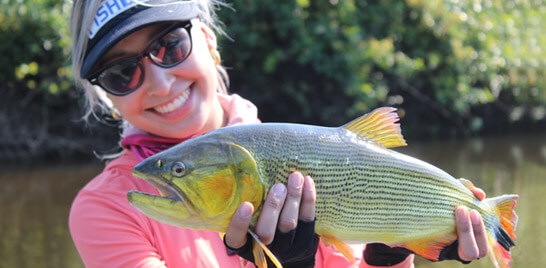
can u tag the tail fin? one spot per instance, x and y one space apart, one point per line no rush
504 235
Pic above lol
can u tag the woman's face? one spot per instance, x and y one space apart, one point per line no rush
176 102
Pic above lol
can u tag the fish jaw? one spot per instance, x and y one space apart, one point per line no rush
201 186
172 206
160 208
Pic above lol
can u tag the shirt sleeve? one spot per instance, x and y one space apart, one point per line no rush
106 236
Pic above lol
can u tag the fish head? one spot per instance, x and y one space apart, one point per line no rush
201 184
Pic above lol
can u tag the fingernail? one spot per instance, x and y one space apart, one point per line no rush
295 180
310 181
461 212
245 211
278 189
474 215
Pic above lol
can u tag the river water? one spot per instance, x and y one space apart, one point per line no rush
35 200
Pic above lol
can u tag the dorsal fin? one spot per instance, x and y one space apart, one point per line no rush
380 125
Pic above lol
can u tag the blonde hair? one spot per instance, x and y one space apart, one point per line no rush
83 14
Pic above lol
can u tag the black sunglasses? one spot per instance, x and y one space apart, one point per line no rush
168 49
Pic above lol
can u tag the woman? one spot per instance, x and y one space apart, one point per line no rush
155 65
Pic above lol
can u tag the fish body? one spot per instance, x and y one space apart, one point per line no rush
365 191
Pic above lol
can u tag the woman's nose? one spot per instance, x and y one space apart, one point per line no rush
157 80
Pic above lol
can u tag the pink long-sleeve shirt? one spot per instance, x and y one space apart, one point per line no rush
109 232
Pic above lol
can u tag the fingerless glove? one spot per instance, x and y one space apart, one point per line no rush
296 248
378 254
451 252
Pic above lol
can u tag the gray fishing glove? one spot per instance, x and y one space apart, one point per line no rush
294 249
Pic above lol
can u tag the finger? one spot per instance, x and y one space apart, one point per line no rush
478 193
479 233
269 217
468 249
236 233
308 200
288 219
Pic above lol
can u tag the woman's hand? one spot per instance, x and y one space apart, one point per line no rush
285 225
470 245
471 231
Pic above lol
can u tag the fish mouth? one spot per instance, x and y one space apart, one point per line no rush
167 190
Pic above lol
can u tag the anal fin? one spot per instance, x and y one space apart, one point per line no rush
339 245
431 247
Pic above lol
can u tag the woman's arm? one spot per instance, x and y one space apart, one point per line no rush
106 236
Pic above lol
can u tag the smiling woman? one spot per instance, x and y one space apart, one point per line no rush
156 65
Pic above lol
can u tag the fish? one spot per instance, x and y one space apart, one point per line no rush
365 191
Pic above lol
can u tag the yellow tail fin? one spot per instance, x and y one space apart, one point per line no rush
502 239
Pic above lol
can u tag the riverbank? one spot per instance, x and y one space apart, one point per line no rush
37 126
42 127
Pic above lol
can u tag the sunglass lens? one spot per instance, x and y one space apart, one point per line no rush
121 78
172 48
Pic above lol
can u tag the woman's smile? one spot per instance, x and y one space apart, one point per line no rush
175 104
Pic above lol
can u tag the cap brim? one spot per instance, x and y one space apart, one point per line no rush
181 11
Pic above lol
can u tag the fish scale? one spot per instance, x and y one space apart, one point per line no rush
365 191
316 151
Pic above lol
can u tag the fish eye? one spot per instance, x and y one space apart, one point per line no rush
178 169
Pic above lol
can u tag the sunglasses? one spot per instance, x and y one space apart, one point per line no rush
168 49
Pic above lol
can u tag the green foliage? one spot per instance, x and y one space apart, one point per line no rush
453 67
35 45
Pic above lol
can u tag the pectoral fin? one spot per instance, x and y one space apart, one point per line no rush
258 250
249 185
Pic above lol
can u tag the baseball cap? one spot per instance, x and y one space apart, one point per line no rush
116 19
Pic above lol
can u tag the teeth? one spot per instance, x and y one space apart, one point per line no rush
175 104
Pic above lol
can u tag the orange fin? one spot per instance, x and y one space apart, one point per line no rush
380 125
507 215
432 246
343 248
498 254
258 249
504 235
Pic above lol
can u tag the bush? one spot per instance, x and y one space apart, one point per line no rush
39 108
453 68
35 45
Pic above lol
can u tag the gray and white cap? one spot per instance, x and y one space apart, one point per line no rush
116 19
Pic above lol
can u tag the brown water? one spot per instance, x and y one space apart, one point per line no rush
34 201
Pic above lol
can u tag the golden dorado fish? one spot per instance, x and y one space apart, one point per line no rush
365 191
